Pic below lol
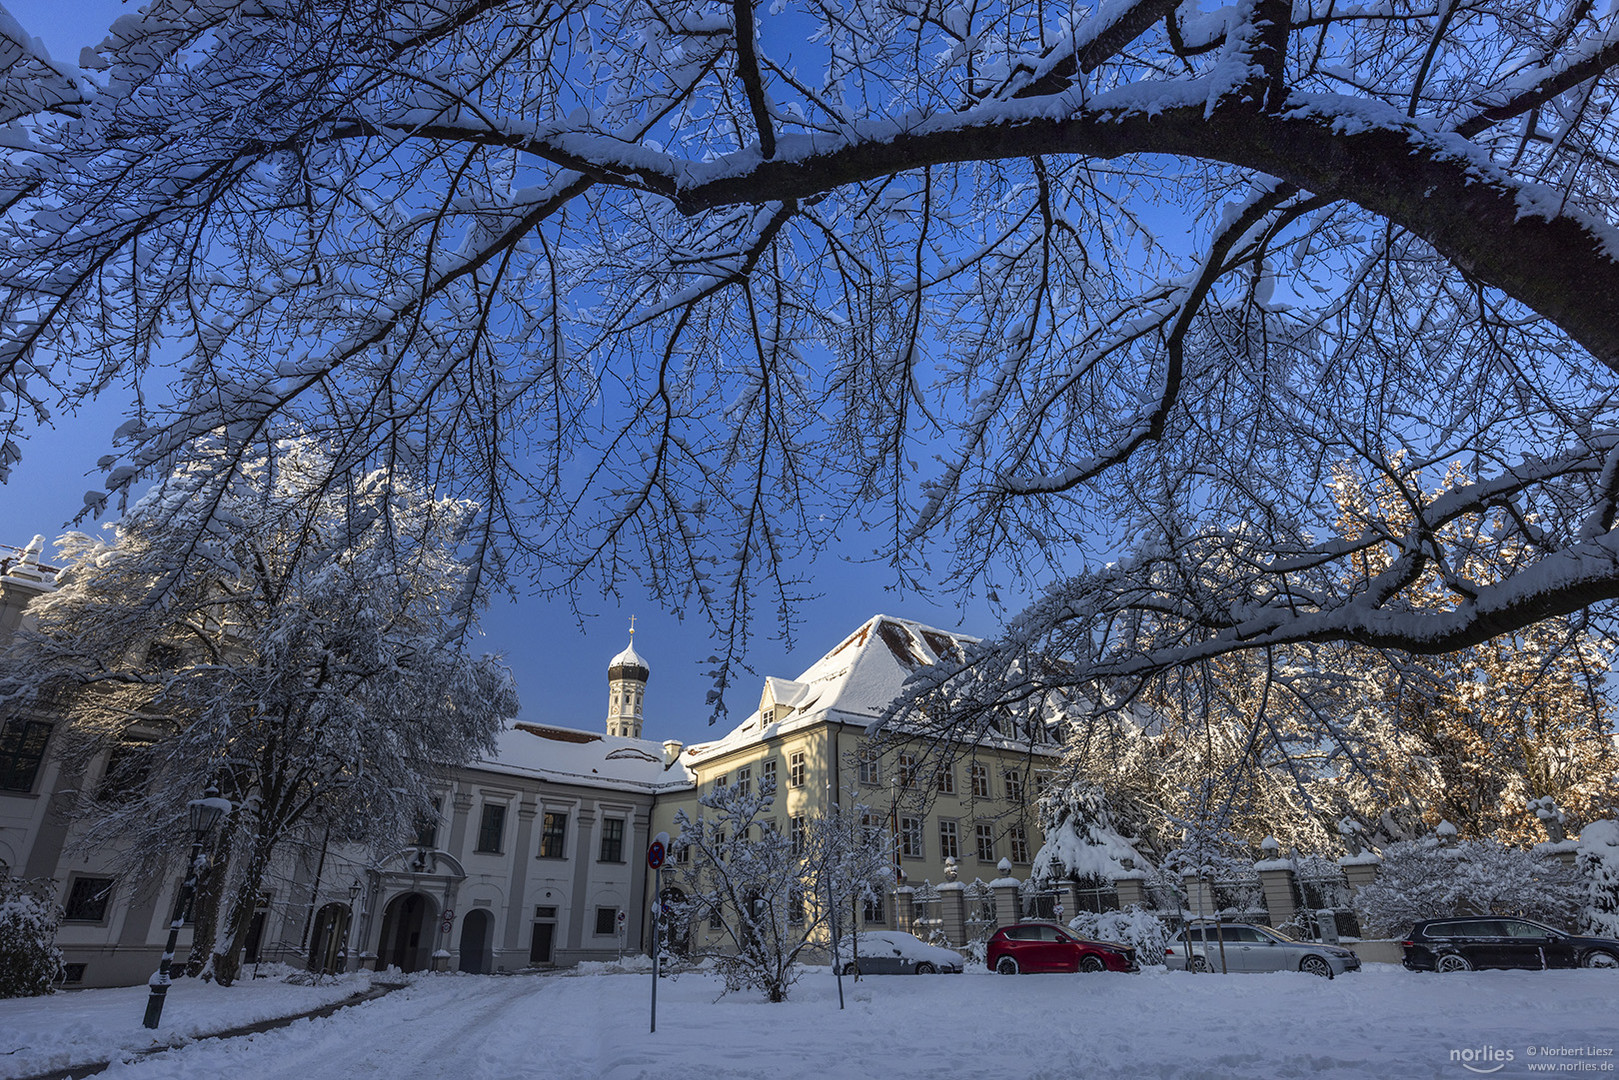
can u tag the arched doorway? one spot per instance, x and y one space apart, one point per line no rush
407 933
329 938
476 930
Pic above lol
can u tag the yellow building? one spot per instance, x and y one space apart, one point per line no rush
956 809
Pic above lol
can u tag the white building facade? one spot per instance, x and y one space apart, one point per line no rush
537 855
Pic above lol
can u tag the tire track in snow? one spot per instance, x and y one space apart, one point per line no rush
486 1030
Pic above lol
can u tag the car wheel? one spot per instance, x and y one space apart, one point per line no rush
1597 958
1091 964
1314 965
925 968
1006 966
1453 962
850 968
1201 965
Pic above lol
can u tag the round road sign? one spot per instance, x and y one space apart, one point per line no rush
654 855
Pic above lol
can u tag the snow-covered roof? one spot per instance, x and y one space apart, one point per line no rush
570 756
628 658
855 682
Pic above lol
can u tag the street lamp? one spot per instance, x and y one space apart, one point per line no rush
205 815
348 927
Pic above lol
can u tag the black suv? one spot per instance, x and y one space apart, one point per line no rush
1493 942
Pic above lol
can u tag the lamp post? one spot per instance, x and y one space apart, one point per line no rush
348 927
205 815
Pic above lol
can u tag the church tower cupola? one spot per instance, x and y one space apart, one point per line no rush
626 686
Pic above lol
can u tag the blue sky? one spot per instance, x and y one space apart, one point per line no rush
560 659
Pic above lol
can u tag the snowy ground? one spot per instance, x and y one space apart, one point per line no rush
70 1028
1382 1022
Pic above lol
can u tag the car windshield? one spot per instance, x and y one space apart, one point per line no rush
1277 934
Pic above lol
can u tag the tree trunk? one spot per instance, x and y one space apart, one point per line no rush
205 907
227 958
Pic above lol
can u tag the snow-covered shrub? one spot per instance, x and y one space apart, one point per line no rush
1423 879
29 958
1598 867
1132 926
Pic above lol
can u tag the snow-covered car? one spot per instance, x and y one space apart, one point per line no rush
1044 946
894 952
1465 944
1246 947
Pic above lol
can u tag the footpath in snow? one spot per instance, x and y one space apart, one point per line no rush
80 1027
1382 1022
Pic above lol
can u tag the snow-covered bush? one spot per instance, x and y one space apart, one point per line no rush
1423 879
1080 841
29 958
1131 926
1598 867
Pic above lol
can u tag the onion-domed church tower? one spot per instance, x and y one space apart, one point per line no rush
626 686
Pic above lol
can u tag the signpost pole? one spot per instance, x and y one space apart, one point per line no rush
657 944
656 852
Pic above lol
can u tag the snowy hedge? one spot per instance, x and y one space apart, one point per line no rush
29 958
1131 926
1598 864
1424 879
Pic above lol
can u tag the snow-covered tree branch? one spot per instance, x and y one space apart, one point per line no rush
666 287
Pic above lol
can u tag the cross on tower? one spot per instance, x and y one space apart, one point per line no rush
632 627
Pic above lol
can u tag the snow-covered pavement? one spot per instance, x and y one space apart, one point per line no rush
1383 1022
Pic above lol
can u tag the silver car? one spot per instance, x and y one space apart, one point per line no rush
1246 947
894 952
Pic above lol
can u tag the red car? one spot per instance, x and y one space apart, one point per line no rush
1044 946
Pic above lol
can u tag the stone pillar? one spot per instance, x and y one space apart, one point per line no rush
953 912
904 909
1276 885
1008 898
460 809
1199 897
1067 900
1360 870
1132 890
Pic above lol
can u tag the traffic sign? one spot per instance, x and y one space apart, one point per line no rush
654 855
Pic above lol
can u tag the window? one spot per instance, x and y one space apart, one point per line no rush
876 910
905 769
871 827
1014 785
986 842
800 833
427 827
129 767
1019 839
612 849
73 973
910 837
795 905
716 918
946 780
682 853
606 921
87 900
795 769
553 834
744 780
721 781
979 774
491 827
22 748
767 777
949 841
871 770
